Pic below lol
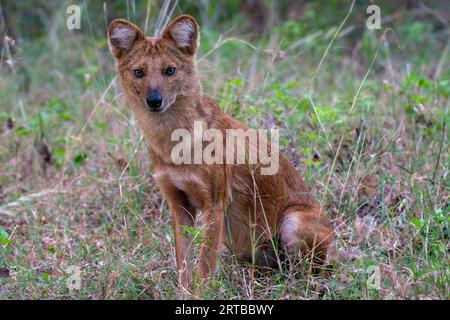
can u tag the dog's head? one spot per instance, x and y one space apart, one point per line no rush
155 71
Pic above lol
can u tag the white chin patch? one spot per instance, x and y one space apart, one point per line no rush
167 104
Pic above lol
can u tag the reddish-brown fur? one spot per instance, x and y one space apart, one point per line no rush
237 204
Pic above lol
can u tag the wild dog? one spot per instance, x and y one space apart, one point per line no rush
242 210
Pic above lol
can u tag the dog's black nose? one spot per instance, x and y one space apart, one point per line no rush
154 100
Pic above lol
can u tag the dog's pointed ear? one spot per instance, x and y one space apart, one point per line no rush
184 32
122 36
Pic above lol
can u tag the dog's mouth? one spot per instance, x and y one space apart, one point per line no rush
163 107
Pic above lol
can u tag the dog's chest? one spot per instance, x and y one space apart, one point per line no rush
184 180
176 178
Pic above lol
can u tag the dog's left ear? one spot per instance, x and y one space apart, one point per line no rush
184 31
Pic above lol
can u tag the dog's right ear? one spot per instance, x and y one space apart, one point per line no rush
122 36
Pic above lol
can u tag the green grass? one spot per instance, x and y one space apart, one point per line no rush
380 170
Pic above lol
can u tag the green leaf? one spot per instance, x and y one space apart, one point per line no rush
419 98
46 277
4 237
417 222
235 82
59 155
79 159
66 117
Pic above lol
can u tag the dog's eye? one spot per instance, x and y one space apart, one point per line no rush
170 71
138 73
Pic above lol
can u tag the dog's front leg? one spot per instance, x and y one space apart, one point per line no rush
183 214
209 250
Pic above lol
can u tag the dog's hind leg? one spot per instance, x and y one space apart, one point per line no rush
308 230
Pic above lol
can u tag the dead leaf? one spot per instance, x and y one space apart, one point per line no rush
45 153
369 185
10 123
4 273
121 163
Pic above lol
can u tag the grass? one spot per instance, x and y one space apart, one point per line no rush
363 115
